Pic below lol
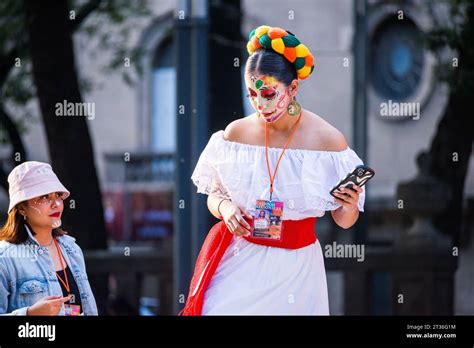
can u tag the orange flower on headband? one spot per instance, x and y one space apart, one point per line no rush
284 43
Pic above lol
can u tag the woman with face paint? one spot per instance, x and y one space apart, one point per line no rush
284 160
42 270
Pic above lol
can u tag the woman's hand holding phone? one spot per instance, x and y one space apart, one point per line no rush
348 190
348 197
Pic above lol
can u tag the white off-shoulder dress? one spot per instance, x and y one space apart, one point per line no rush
261 280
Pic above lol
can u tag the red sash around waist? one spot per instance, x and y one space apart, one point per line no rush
296 234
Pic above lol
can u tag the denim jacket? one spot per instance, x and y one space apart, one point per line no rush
27 274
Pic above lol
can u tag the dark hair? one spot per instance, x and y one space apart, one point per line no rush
268 62
14 229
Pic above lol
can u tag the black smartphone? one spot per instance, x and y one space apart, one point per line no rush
359 176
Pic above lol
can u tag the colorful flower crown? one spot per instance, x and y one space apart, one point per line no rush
284 43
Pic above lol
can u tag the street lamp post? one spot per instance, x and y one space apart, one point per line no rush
190 218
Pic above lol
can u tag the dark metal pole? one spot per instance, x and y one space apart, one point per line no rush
360 99
182 193
191 213
200 128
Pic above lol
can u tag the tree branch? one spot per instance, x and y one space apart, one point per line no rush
83 13
8 60
15 140
21 48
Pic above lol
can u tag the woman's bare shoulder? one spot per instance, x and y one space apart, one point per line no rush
239 129
327 137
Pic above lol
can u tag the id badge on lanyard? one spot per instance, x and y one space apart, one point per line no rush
71 310
267 220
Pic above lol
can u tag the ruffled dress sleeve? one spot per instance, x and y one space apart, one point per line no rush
322 172
238 171
205 175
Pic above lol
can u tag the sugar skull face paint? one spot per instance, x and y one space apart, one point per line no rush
268 96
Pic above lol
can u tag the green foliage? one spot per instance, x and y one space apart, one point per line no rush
110 29
455 67
11 24
106 22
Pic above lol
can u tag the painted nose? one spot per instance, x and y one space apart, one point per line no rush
261 103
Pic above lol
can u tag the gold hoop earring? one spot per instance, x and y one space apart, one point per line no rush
294 108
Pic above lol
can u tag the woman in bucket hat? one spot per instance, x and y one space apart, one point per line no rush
42 269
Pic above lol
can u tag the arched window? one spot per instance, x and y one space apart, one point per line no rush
163 98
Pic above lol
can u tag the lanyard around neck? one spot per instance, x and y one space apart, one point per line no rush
272 178
66 282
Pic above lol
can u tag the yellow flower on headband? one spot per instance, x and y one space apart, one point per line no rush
284 43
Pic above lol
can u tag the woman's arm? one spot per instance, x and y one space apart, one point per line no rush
217 194
347 215
4 293
49 305
213 201
232 214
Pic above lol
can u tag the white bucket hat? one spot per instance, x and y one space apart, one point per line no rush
32 179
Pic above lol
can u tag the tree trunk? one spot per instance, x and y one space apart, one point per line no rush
68 137
225 97
452 144
453 139
225 81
